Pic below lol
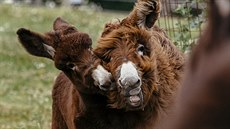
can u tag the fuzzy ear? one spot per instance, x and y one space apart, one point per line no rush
145 13
36 44
221 7
219 16
60 24
218 10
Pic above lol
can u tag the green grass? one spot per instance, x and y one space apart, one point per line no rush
26 81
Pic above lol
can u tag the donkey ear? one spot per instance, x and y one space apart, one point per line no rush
220 8
145 13
60 24
36 44
219 14
218 28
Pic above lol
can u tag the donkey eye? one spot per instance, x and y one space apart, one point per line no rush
108 59
71 29
70 65
141 49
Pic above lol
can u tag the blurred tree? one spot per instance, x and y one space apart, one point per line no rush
124 5
65 2
36 2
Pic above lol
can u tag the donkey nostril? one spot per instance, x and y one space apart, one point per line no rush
124 83
138 82
120 83
132 82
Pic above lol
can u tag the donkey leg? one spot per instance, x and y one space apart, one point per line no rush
58 121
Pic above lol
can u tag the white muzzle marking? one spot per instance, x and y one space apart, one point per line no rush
129 75
101 76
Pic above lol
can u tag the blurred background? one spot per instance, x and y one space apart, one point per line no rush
26 81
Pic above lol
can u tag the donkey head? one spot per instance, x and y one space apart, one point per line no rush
67 47
126 48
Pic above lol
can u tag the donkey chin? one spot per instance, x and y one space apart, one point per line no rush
129 84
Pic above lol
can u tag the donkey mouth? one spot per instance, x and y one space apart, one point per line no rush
134 97
136 100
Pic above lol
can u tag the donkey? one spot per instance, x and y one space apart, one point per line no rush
79 86
134 54
145 65
204 100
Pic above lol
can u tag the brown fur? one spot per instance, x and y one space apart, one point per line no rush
160 67
204 101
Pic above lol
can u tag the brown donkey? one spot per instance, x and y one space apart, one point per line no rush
71 52
146 67
204 101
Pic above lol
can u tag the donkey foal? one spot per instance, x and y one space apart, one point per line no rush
82 78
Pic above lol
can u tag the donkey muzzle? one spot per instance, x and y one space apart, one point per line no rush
130 84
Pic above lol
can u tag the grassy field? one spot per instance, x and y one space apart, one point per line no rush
26 81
